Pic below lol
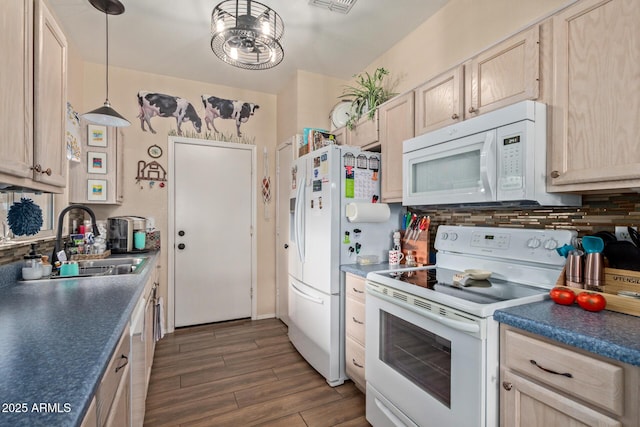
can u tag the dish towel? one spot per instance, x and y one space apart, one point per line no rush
160 328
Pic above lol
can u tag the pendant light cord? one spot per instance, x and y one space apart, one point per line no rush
106 17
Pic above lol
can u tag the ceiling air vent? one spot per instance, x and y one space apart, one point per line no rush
341 6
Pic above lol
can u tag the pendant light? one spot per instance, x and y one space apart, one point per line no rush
106 115
246 34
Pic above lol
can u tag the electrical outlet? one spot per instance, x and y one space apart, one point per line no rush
622 233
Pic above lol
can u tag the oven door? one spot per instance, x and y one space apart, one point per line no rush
453 172
423 368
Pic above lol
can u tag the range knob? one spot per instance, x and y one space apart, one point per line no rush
453 237
444 236
534 243
551 244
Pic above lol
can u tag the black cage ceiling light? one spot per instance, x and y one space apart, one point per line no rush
246 34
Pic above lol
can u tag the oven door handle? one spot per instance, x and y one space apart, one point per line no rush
454 324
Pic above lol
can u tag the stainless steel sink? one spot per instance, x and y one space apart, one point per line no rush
104 267
111 266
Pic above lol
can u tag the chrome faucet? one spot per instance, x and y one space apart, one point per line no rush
58 242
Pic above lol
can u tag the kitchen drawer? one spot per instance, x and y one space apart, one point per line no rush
592 380
354 320
354 366
112 376
355 286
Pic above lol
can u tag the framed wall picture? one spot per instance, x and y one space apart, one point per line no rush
97 135
97 190
96 162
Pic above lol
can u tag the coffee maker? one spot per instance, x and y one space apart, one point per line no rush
121 231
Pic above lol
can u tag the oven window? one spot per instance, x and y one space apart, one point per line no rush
419 355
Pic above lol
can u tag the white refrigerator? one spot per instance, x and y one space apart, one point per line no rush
322 238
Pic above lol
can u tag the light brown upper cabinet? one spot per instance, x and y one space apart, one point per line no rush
365 132
440 101
16 86
595 141
503 74
50 99
341 135
33 105
396 124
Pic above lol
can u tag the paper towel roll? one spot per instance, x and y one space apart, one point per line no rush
368 212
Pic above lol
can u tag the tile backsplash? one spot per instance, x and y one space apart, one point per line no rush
599 212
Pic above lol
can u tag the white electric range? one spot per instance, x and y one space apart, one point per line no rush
432 344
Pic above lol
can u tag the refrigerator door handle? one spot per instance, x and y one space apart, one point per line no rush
305 295
298 220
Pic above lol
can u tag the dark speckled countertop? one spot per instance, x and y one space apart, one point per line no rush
607 333
56 338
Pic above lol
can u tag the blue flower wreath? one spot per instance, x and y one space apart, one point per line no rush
25 217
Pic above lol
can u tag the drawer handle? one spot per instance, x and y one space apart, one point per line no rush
564 374
358 291
357 321
356 363
126 362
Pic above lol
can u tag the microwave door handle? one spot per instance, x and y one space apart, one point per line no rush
488 164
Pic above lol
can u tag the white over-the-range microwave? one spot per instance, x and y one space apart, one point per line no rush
496 159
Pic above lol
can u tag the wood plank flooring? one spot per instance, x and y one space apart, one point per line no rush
243 373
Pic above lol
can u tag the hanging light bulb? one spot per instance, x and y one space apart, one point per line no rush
266 27
106 115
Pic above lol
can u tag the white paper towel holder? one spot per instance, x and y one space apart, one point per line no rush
367 212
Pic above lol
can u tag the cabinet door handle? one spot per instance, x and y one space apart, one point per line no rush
454 116
358 291
356 363
38 168
357 321
181 246
564 374
555 174
126 362
507 385
473 110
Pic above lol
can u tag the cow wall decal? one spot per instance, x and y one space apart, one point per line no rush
227 109
157 104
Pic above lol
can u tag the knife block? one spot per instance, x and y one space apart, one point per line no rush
420 247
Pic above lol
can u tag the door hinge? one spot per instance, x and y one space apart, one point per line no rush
251 293
251 230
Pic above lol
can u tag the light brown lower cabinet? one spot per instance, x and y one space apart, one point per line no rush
112 398
354 329
546 383
91 417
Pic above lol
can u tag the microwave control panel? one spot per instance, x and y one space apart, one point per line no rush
511 161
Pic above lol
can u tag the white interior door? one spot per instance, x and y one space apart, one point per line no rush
214 213
284 160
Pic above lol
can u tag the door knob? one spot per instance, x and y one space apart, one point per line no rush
181 246
181 233
286 246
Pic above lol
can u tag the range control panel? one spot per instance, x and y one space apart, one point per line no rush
530 245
